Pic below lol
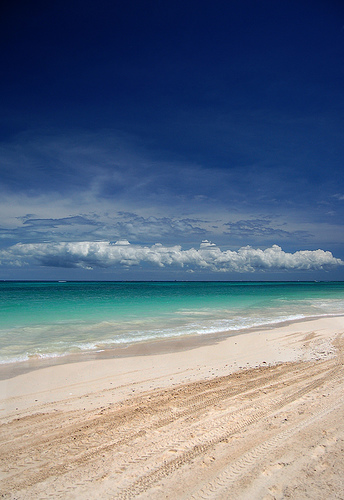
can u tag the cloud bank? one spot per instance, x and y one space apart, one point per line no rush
104 254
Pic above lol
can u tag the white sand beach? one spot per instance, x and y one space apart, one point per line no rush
252 416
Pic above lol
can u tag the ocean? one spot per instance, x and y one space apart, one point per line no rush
54 319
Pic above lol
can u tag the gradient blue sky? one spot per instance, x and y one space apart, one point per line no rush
131 132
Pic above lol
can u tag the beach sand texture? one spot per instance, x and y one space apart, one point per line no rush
254 416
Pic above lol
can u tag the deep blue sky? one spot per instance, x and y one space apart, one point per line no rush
172 123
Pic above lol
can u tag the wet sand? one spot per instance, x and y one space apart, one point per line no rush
257 415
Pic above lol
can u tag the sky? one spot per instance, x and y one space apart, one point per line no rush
172 140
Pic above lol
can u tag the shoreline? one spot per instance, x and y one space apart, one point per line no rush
250 416
142 348
196 356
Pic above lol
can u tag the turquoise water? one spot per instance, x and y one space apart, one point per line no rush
49 319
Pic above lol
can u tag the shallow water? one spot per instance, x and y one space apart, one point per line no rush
49 319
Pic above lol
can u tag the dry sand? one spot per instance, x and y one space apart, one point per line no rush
254 416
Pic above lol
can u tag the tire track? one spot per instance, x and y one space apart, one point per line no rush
145 482
222 483
113 429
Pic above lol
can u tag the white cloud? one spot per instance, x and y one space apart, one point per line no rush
209 257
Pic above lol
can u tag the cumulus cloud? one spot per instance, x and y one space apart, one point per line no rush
104 254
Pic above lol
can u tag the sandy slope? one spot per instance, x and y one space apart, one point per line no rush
185 424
